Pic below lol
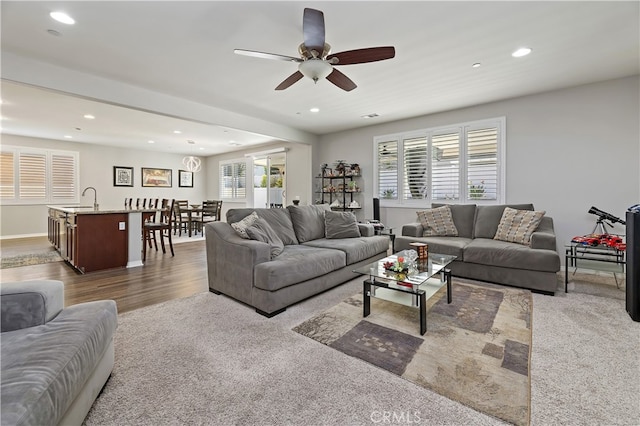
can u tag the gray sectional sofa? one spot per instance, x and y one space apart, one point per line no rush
55 360
308 264
481 257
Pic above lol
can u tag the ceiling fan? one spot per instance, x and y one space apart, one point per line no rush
315 61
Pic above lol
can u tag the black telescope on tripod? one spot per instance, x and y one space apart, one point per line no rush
602 217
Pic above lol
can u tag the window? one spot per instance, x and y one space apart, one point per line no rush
461 163
38 176
233 179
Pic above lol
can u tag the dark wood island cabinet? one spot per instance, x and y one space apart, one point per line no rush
93 240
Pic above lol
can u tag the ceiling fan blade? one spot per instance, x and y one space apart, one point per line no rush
290 80
263 55
313 30
341 80
360 56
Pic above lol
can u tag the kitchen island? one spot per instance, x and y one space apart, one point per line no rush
91 239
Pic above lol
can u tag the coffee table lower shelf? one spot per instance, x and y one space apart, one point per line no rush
420 294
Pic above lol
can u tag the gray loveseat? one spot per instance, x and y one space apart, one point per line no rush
55 360
481 257
308 264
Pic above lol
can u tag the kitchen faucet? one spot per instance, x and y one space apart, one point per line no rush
95 196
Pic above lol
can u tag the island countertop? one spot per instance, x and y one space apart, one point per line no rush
90 210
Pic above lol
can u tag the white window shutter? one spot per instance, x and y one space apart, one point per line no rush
387 154
32 176
445 166
7 175
63 181
482 164
416 161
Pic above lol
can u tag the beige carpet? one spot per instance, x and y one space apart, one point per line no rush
476 349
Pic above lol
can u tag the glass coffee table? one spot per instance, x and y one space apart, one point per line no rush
413 288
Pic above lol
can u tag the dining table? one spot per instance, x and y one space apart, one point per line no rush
193 208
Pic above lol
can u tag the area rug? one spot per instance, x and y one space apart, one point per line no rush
30 259
476 351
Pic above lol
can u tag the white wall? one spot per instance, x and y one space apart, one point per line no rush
96 169
298 173
566 151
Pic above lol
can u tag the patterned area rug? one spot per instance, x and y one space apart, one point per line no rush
30 259
476 351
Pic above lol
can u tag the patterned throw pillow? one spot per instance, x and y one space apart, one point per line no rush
516 226
241 226
437 222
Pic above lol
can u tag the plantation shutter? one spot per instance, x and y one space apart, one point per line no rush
445 166
388 170
415 185
233 180
240 177
32 174
7 180
63 177
482 164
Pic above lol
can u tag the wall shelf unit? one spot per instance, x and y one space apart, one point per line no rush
340 187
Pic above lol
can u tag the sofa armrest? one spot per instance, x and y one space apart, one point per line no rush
231 259
30 303
366 229
544 237
412 229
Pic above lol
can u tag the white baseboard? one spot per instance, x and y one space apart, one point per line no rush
13 237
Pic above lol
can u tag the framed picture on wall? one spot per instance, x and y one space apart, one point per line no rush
122 176
159 178
185 179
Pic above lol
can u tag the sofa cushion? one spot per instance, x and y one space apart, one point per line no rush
463 217
296 264
278 219
308 221
241 226
340 225
516 226
488 218
485 251
261 231
356 249
437 221
45 367
441 245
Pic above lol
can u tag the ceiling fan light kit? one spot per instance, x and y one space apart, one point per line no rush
315 61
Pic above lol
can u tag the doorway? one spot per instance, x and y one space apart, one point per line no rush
269 181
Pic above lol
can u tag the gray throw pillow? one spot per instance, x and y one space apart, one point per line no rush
241 226
437 222
340 225
260 230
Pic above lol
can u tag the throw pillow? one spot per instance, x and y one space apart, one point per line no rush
438 221
340 225
241 226
516 226
262 231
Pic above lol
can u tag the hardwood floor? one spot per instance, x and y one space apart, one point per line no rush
162 277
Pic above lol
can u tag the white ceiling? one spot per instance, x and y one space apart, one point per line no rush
184 50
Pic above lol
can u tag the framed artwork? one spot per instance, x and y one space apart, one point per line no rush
122 176
185 179
159 178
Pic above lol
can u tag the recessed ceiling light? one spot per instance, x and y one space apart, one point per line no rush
202 148
89 116
151 141
314 109
476 65
177 132
62 17
523 51
68 136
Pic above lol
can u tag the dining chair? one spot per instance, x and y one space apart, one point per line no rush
210 213
181 217
163 227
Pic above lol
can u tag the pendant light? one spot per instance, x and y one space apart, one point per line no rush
191 162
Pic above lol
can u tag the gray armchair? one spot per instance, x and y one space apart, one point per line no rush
54 360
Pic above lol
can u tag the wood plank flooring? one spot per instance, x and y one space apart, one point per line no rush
162 278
